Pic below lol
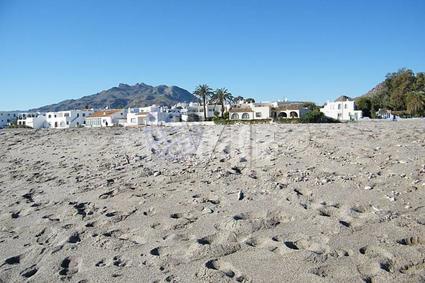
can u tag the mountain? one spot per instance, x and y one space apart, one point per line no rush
379 88
123 96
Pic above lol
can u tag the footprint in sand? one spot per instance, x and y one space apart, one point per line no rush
29 272
244 224
382 256
69 266
414 268
216 245
12 260
226 270
120 261
412 241
74 238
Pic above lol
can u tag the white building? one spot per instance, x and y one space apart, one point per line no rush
67 119
265 111
7 118
35 121
343 109
106 118
289 110
195 111
152 115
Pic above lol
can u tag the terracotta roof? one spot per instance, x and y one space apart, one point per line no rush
241 109
285 107
104 113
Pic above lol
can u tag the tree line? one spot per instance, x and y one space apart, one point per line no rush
402 92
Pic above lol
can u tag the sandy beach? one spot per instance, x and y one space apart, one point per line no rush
260 203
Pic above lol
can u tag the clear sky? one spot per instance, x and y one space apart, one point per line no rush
267 49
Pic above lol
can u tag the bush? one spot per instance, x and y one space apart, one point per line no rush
316 117
288 121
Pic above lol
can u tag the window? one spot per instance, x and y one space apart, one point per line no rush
339 106
84 114
345 106
67 115
245 116
293 114
50 116
78 115
258 114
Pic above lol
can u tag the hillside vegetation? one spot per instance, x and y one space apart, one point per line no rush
403 92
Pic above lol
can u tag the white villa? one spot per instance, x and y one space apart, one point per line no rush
273 110
32 120
67 119
152 115
343 109
106 118
195 111
56 120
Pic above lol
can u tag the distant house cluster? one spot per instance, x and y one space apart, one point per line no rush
343 109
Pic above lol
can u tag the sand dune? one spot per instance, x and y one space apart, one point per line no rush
263 203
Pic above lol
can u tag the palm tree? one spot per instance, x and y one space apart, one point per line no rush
221 96
203 92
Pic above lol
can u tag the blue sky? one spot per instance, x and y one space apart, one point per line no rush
267 49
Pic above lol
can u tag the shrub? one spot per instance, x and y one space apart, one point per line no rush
316 117
288 121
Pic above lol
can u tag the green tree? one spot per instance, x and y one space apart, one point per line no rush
365 104
316 116
398 85
311 106
221 96
415 103
203 92
420 82
238 98
250 100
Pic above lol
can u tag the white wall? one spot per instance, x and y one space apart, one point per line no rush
38 122
262 112
343 111
109 121
67 119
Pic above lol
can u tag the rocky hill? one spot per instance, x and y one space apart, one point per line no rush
124 95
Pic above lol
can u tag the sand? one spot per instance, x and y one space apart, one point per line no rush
263 203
